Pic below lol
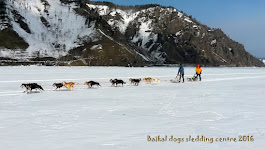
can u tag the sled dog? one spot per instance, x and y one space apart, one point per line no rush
135 81
148 80
30 86
191 79
116 82
57 85
91 83
156 80
69 85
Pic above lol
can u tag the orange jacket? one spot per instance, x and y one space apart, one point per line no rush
198 70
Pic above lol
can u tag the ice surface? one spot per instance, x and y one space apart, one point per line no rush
227 102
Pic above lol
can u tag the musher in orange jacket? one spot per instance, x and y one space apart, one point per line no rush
198 71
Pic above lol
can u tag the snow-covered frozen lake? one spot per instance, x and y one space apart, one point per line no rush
228 102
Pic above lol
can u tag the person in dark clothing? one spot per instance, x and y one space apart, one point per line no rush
181 73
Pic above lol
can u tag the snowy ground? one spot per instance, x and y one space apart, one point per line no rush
227 103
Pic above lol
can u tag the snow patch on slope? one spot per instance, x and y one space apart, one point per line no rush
101 9
144 34
126 16
96 47
180 14
2 26
178 33
213 42
65 30
188 20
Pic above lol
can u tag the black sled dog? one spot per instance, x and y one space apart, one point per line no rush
30 86
57 85
116 82
135 81
91 83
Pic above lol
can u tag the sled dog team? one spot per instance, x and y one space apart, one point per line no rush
70 85
115 82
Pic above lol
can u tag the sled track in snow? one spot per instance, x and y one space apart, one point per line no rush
108 78
81 87
234 78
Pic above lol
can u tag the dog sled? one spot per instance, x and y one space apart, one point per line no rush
176 80
192 79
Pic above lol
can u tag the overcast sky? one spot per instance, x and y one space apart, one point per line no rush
241 20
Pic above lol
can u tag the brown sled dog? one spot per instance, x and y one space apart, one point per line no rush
148 80
69 85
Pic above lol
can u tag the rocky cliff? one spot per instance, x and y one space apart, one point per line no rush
101 33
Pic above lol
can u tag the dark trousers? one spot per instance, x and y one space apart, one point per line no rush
199 76
181 76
